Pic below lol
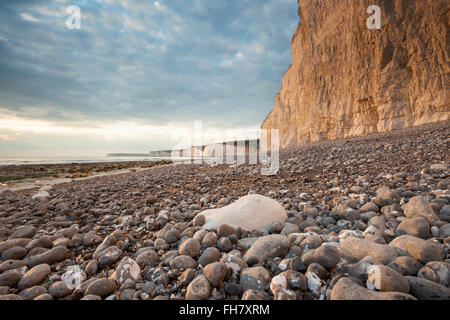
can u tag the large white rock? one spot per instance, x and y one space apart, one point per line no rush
252 212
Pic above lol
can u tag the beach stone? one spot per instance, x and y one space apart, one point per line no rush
266 248
200 234
147 258
92 267
233 288
190 247
252 212
51 256
234 263
378 222
10 297
285 294
406 265
109 256
445 210
326 221
76 241
417 226
24 232
34 276
66 233
161 244
44 297
223 202
289 228
435 231
90 239
127 269
80 290
445 230
385 279
208 256
59 290
210 239
346 289
4 290
11 264
187 276
5 245
224 230
256 278
350 234
216 273
328 256
109 241
149 288
314 283
419 206
127 294
359 270
34 252
14 253
357 249
439 167
312 241
101 287
183 262
33 292
172 236
295 280
422 250
199 220
388 195
168 256
10 278
424 289
224 244
41 195
42 242
318 270
370 207
255 295
63 242
436 271
246 243
198 289
278 282
151 200
92 297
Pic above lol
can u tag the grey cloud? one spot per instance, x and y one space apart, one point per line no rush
133 61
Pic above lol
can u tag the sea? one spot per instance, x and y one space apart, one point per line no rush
65 160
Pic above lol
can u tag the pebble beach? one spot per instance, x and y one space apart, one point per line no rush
363 218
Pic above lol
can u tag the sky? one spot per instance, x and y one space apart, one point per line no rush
138 74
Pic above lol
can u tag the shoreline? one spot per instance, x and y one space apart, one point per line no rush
30 176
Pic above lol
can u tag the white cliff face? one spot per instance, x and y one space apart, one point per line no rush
346 80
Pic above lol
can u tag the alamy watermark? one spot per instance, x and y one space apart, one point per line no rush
74 20
374 21
236 147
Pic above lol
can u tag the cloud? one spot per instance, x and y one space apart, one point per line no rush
145 61
27 17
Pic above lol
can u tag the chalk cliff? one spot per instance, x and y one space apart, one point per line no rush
346 80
